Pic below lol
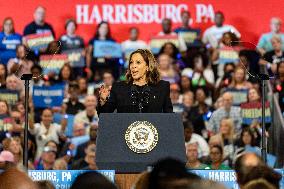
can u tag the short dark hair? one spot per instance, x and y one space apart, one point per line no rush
92 180
68 21
219 147
188 125
36 66
220 12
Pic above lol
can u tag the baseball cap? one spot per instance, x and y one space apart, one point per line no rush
49 149
6 156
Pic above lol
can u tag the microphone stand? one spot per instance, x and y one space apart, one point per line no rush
262 78
26 78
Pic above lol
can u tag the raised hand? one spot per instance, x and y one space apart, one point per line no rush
104 94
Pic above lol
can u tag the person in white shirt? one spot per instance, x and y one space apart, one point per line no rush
133 43
46 130
212 35
190 137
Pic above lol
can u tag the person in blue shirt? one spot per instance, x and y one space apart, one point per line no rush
8 41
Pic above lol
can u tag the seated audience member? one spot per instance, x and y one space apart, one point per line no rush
20 64
200 113
9 40
60 164
92 180
87 162
228 111
264 43
39 25
47 159
89 115
170 173
216 156
167 71
275 56
3 75
227 134
70 40
133 43
97 65
254 95
73 105
258 183
192 157
167 31
15 179
46 130
191 137
239 80
176 98
212 35
14 83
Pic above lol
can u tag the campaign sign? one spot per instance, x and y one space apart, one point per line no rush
227 55
39 41
158 41
191 37
10 96
107 49
75 57
63 179
52 63
239 95
253 111
48 96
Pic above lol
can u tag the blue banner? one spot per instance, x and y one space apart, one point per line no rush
107 49
75 57
62 179
48 96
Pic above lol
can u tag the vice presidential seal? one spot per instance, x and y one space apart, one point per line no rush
141 137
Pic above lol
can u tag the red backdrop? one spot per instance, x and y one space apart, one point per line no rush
250 17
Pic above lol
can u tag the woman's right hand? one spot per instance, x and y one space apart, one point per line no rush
104 94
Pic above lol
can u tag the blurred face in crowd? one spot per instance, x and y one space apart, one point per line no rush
3 108
47 117
65 72
82 84
276 43
108 79
79 130
16 117
39 15
185 83
103 30
169 49
12 82
93 132
281 68
187 134
224 127
134 34
2 70
138 67
71 28
90 102
48 157
52 145
192 152
15 146
227 40
91 153
275 25
21 52
8 26
215 155
174 92
36 74
227 100
253 95
219 103
239 75
164 61
188 99
167 25
219 19
200 96
246 138
185 16
198 64
21 108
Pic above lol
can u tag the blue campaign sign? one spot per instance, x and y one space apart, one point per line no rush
107 48
75 57
48 96
63 179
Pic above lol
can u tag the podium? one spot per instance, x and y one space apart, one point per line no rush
131 142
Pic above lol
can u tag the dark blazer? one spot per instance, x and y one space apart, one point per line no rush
120 99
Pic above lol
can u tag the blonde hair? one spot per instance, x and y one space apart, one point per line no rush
153 74
229 122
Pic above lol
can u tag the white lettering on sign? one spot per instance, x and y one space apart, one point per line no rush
204 12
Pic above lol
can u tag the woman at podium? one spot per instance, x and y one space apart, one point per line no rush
143 91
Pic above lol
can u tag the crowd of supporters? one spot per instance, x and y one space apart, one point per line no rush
203 87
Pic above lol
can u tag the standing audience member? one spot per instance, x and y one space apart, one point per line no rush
3 75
